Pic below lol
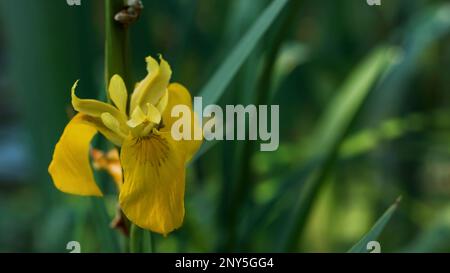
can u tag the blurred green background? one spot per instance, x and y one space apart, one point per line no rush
353 136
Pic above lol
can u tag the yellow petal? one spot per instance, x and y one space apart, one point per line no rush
152 195
90 107
179 95
100 126
154 94
153 113
162 104
109 162
118 93
152 88
137 117
112 123
152 72
70 168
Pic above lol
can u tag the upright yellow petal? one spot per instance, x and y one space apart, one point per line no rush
179 95
162 104
152 88
70 168
152 195
139 89
153 114
159 86
118 93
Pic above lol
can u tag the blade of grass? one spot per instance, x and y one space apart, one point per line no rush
340 113
375 231
217 84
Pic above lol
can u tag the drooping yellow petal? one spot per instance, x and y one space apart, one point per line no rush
70 167
152 195
152 88
100 126
118 93
95 108
179 95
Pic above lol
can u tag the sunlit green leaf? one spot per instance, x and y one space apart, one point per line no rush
375 231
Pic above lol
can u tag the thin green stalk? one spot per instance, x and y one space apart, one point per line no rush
141 240
116 44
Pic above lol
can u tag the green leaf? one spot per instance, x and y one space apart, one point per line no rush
349 99
332 128
216 86
375 231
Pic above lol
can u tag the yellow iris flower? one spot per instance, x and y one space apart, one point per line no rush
153 163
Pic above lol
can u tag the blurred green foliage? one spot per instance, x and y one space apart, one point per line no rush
364 118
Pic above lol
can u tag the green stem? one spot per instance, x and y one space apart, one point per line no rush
116 44
141 240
